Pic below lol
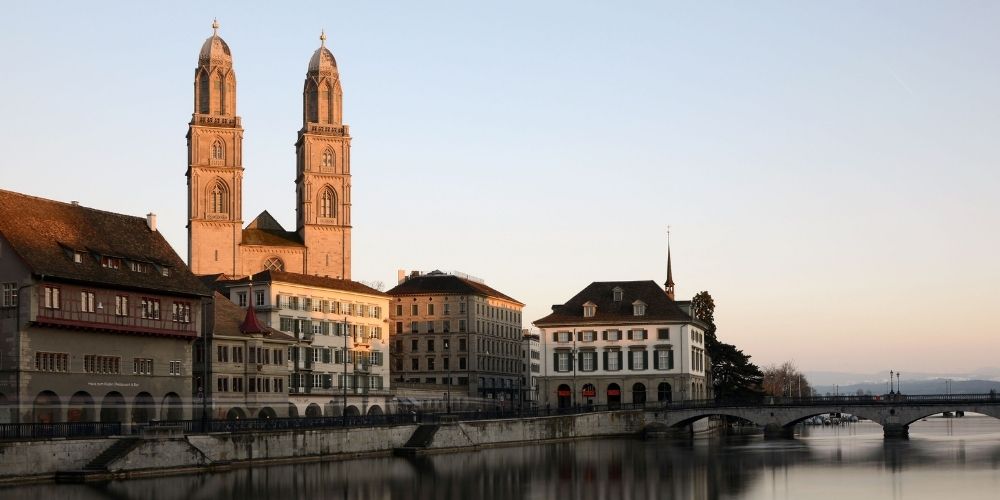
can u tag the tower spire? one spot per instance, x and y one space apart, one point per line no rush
322 38
669 285
215 27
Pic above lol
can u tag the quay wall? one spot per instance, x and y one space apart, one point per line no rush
41 460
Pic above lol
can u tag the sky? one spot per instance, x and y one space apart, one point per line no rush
829 170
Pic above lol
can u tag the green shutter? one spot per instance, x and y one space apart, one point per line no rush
327 381
656 360
326 355
555 361
620 360
579 361
645 359
630 359
605 357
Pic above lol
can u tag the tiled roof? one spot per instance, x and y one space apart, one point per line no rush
309 280
46 233
266 231
441 283
229 317
658 306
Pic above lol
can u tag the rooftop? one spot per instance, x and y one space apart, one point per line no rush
659 307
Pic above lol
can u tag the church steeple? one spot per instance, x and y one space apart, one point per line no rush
669 285
215 163
323 180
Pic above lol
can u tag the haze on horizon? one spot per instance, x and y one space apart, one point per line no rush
830 171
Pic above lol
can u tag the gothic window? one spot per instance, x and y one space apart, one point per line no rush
217 199
274 264
328 204
218 150
329 161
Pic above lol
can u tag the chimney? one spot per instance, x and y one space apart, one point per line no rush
151 221
400 276
75 203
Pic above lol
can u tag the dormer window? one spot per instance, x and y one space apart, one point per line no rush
111 262
138 267
638 308
617 294
589 310
78 257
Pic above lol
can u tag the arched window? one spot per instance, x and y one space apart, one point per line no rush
328 204
329 160
274 264
218 202
218 150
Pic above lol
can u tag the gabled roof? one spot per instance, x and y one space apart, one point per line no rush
307 280
658 306
45 234
266 231
441 283
230 319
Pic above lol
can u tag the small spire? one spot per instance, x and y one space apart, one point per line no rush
322 38
215 27
669 285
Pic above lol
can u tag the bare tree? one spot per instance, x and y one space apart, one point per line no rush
785 380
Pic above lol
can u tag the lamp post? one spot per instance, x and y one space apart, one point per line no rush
343 383
898 390
572 362
447 347
891 392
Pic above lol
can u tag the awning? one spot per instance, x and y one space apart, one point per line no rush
564 393
614 392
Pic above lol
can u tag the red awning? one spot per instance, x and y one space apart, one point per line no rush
564 392
614 392
589 393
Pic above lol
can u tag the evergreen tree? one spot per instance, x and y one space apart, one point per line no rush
733 375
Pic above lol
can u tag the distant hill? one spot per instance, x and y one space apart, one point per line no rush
915 387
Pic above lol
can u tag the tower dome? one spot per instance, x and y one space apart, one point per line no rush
215 50
322 61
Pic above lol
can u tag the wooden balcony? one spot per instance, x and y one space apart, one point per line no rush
70 315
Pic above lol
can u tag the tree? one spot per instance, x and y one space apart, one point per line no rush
733 375
785 380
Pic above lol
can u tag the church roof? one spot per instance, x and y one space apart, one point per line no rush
440 283
215 48
266 231
322 60
659 307
47 235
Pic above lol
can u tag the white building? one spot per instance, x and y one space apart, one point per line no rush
622 342
531 352
342 332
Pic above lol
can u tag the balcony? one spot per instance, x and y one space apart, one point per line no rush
104 319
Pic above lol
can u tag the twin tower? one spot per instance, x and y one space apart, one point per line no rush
217 241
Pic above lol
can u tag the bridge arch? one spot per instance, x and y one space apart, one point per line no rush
713 412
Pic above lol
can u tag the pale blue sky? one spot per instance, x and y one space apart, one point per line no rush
830 169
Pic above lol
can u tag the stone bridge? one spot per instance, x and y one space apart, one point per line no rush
778 416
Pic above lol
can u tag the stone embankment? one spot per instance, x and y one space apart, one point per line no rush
106 458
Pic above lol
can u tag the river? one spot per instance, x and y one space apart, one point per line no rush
943 459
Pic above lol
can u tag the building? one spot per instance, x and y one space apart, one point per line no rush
455 333
217 241
97 316
341 334
531 355
622 342
245 363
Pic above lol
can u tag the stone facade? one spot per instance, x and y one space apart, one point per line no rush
217 241
451 331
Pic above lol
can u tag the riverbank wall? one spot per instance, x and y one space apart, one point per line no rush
107 458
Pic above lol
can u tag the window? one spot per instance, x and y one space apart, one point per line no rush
105 365
563 361
238 353
462 345
218 150
87 302
286 324
430 309
259 298
639 308
637 334
78 257
181 312
138 267
222 354
461 364
275 264
329 160
175 368
414 310
430 327
663 334
563 336
611 363
665 359
617 294
589 310
9 297
415 364
51 297
111 262
447 309
293 302
142 366
51 361
217 199
430 363
638 360
613 335
461 325
150 308
446 327
461 308
241 299
589 361
328 204
307 304
588 336
399 309
223 384
430 345
121 305
414 327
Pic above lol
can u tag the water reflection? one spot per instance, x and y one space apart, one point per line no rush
941 458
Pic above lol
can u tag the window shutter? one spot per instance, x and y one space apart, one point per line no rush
656 360
309 381
619 360
630 334
605 358
326 355
555 361
645 359
645 335
327 381
670 360
579 361
555 336
630 364
604 335
309 356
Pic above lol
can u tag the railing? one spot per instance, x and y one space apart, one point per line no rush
407 414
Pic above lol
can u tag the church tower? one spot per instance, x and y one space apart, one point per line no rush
323 171
215 164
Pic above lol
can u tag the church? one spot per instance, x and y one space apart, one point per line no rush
218 243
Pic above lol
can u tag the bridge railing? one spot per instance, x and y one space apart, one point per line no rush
841 400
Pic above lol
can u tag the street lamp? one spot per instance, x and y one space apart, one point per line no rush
447 346
890 383
572 362
898 390
343 383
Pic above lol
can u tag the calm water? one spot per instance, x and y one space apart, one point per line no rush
943 459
